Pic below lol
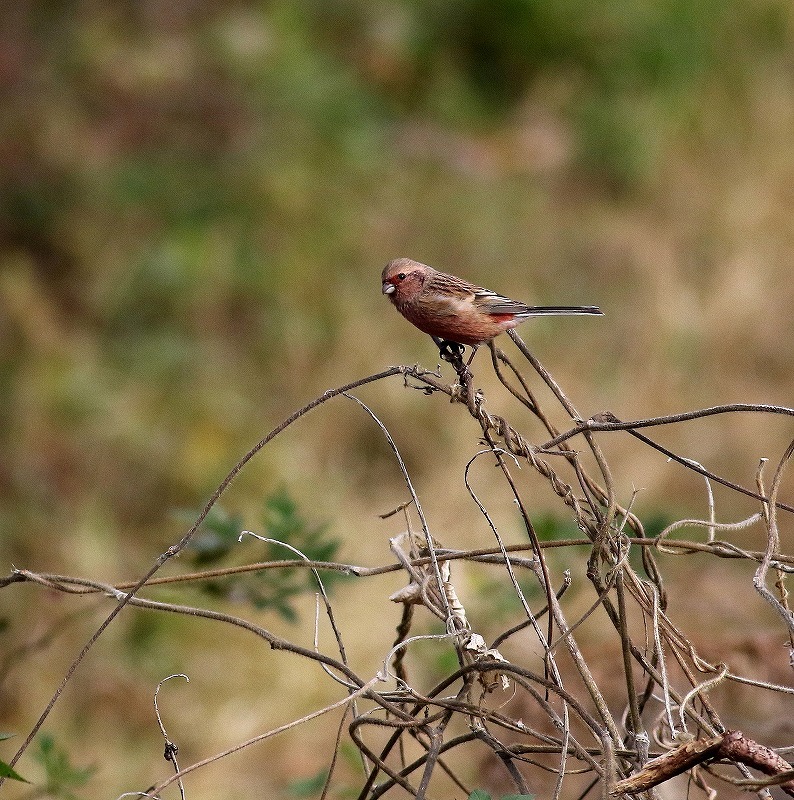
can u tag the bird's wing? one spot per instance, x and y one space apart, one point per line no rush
449 295
492 303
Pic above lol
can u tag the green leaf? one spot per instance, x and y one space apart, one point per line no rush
5 769
7 772
479 794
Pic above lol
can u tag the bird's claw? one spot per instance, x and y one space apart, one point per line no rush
451 352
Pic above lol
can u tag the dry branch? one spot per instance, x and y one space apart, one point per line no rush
731 746
416 737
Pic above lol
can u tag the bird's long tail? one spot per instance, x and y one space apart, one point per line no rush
538 311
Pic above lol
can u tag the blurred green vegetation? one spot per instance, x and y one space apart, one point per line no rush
196 200
216 545
61 776
192 198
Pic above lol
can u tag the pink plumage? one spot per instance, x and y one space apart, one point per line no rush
455 310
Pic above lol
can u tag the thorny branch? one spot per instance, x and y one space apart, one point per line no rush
582 733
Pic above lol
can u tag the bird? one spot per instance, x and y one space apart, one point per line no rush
451 309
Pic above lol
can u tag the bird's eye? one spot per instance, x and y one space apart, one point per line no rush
401 276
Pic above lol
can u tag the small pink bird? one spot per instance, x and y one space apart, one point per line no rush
454 310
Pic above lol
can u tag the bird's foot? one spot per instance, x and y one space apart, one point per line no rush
452 353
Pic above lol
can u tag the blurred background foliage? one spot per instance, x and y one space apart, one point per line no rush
196 200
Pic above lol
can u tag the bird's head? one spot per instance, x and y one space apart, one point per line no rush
403 279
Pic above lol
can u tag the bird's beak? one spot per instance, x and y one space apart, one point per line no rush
388 288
